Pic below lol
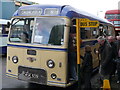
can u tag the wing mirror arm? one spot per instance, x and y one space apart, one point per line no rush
8 24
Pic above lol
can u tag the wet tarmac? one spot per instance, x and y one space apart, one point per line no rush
7 83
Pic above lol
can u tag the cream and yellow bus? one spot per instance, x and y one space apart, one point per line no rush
40 49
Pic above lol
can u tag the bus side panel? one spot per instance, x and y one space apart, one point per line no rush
95 56
94 47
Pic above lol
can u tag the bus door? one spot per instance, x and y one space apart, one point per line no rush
88 36
72 54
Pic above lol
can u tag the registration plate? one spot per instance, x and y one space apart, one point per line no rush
32 75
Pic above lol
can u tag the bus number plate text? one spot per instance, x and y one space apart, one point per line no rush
32 75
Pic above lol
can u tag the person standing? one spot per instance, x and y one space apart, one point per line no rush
118 42
87 67
107 53
113 44
118 60
72 55
102 43
106 63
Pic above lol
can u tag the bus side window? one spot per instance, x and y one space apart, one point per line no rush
5 29
89 33
95 33
111 31
85 33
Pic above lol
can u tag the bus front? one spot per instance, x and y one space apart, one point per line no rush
37 46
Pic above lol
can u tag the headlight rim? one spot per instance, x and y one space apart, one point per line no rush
13 59
53 76
50 60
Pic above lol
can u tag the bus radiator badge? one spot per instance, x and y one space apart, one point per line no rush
31 59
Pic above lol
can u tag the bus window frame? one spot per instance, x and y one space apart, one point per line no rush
15 23
93 33
4 30
66 28
112 16
33 34
118 22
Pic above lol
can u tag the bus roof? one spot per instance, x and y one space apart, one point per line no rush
113 11
64 10
4 21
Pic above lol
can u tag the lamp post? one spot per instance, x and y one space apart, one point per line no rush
20 2
98 12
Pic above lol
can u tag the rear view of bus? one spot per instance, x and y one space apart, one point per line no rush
114 17
37 46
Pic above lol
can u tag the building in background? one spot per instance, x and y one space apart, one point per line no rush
8 7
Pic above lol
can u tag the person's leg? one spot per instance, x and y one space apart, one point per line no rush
87 79
73 65
118 73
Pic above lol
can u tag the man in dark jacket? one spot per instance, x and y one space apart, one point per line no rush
118 42
113 44
118 60
106 63
87 67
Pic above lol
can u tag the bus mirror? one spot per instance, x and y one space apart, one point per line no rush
8 24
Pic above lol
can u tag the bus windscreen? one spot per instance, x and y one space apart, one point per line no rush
39 30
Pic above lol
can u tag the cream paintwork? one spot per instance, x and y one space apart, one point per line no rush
95 56
41 59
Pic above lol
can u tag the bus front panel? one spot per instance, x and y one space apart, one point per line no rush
46 67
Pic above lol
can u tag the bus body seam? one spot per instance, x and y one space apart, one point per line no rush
43 48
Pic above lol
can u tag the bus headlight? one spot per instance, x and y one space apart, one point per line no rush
53 76
15 59
50 63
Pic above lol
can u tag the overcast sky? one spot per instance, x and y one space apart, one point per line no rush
96 7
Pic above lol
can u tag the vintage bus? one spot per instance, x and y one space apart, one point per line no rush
3 36
39 48
114 17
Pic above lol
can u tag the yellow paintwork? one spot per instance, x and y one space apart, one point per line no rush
85 22
78 41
